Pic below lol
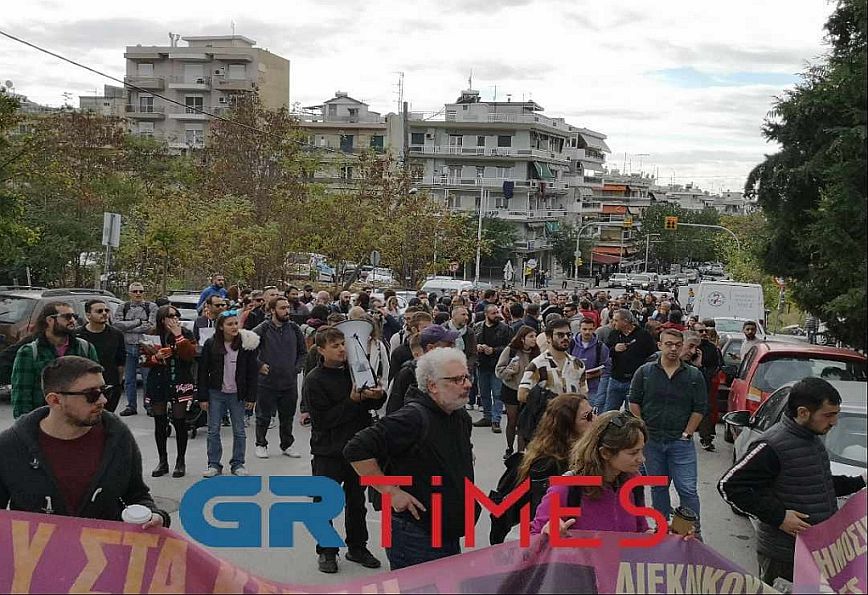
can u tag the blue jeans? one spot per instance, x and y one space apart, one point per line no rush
489 393
218 404
598 398
130 369
411 545
616 394
677 460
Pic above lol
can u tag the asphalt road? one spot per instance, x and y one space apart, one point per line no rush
729 534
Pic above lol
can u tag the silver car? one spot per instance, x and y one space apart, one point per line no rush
847 442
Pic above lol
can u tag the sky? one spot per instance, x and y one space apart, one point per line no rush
680 88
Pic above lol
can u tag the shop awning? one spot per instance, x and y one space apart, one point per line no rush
606 258
616 250
615 187
543 171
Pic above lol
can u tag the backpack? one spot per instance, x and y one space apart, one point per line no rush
83 346
126 309
533 410
501 526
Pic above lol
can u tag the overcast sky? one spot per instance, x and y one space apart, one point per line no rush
682 86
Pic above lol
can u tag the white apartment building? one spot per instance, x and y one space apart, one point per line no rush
112 102
518 164
206 74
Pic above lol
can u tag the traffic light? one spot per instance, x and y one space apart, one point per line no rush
671 223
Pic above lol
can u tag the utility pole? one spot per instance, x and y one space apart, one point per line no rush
479 235
648 248
406 127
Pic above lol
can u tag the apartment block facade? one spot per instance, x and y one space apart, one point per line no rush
513 162
208 74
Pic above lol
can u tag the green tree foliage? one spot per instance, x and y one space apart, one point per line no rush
564 246
685 243
813 191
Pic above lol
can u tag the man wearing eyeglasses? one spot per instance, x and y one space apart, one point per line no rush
109 345
72 458
55 337
214 306
135 319
260 311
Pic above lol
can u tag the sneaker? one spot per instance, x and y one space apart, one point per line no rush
709 446
482 423
272 423
240 471
261 452
328 563
495 427
126 412
291 453
364 557
212 472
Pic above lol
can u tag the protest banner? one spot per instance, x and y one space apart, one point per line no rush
44 553
831 556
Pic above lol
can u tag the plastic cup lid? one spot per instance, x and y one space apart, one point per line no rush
136 513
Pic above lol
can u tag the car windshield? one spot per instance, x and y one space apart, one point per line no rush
728 325
847 442
13 309
642 278
772 374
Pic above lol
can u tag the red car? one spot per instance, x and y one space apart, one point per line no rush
770 365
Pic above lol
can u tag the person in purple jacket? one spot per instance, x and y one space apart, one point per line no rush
612 448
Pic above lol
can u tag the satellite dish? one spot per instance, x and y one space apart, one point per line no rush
8 84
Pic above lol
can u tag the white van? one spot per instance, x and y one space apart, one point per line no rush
725 299
443 285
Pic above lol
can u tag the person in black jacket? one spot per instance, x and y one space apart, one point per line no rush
492 337
432 337
428 437
72 457
338 410
629 346
228 377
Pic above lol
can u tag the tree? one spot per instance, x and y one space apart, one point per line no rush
813 191
564 246
684 244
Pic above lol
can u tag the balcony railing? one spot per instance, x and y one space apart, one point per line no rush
145 111
145 82
490 182
487 152
531 245
184 82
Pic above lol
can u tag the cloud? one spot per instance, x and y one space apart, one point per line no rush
690 77
724 55
483 6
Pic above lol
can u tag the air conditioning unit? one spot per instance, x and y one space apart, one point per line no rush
429 136
221 100
200 81
218 72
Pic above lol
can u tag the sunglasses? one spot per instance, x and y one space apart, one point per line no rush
220 305
137 291
619 421
92 395
173 315
100 311
228 313
68 316
563 335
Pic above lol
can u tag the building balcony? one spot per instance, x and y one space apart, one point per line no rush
511 152
202 83
527 215
143 112
226 84
156 83
457 182
532 245
187 113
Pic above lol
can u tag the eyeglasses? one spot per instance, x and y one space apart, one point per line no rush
100 311
175 315
220 305
136 291
563 335
92 395
228 313
68 316
458 379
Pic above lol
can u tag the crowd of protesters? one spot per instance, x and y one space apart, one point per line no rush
589 384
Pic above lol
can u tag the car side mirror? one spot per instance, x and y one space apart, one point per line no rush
739 419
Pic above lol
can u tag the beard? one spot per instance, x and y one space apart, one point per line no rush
63 331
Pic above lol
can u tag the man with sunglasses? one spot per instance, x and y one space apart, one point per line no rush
72 458
260 311
214 306
135 319
109 345
55 337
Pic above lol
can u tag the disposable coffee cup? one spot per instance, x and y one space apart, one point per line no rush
683 520
136 514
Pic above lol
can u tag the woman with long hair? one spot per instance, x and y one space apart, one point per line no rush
510 366
612 448
566 420
170 381
228 377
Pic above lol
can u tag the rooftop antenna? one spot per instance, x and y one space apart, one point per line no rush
400 91
470 80
171 39
233 27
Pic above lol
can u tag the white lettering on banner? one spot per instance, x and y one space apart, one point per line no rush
852 542
679 579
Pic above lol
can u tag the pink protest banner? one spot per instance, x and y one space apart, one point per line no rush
42 553
832 554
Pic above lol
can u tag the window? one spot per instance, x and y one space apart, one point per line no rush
237 72
480 171
454 173
15 309
146 103
347 172
146 128
377 143
769 412
417 138
504 172
194 103
504 140
347 143
453 201
732 352
354 113
194 73
145 69
846 441
333 110
194 136
480 141
456 140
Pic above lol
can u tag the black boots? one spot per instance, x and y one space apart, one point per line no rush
161 435
161 469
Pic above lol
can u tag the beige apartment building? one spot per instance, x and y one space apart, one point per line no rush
207 74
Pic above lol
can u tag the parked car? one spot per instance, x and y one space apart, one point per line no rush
771 364
640 281
443 285
377 276
847 442
617 280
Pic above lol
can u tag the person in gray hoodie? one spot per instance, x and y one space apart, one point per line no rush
282 351
134 319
